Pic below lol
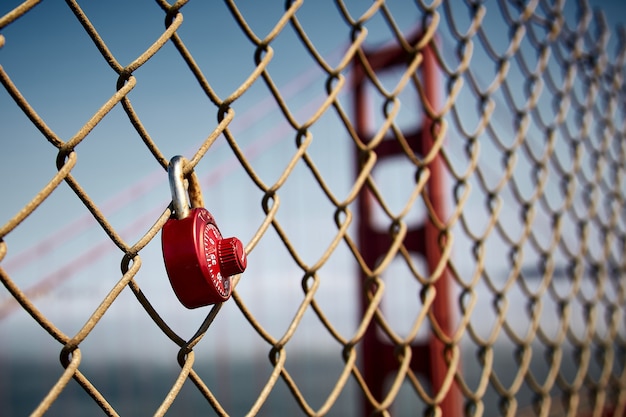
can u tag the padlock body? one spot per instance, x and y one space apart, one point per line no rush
191 259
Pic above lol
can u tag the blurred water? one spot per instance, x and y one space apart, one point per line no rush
137 390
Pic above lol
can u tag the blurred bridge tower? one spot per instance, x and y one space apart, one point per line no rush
379 360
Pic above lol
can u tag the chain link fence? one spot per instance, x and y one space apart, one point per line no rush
519 185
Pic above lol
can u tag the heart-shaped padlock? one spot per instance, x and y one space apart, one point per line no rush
198 261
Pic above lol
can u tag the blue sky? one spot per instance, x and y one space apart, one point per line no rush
61 73
57 68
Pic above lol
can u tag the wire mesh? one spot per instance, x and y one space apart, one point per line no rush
529 133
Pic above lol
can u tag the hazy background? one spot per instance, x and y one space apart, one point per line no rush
57 68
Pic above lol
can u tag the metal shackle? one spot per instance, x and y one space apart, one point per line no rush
180 200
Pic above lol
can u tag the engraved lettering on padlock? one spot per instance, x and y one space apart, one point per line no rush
198 261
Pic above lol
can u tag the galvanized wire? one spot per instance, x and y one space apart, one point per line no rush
569 99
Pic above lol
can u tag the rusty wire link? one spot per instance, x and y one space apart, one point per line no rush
542 104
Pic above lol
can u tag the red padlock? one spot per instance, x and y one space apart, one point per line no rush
198 261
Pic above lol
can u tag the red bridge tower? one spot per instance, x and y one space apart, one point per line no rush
427 358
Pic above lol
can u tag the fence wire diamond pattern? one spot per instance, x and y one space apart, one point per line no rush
516 178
